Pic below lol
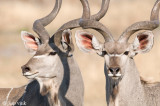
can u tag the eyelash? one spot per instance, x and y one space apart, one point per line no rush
52 53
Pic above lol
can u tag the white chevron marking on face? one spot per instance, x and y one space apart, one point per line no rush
115 55
40 56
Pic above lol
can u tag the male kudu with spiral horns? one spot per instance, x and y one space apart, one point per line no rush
124 87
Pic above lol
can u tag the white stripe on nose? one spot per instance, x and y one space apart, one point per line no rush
118 55
115 55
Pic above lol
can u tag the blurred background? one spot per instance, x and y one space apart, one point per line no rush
18 15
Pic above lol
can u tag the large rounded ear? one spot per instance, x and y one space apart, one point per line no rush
66 41
31 43
143 42
87 42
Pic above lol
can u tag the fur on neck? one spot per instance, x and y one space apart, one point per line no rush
49 88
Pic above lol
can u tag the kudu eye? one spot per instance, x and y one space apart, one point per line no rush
52 53
126 52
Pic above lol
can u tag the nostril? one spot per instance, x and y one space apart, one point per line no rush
117 70
114 70
111 70
25 69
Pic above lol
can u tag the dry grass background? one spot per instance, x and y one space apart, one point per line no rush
17 15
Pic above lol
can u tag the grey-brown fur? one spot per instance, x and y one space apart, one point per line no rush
21 96
13 96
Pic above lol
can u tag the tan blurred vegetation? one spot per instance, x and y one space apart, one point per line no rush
17 15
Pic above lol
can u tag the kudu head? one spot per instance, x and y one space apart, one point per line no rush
46 65
117 53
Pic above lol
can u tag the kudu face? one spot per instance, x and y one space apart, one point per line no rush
46 59
115 56
116 53
42 64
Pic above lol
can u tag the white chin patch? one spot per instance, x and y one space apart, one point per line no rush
117 75
30 75
27 73
110 75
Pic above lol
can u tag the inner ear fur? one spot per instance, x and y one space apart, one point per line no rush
144 41
66 36
31 42
86 41
66 41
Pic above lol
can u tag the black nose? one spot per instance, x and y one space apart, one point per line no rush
25 69
114 70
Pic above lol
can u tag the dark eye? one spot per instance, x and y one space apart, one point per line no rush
104 53
52 53
126 52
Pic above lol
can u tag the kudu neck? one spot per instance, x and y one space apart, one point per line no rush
69 82
54 84
131 78
129 84
53 97
72 84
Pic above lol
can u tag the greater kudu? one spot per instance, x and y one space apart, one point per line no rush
53 65
25 95
124 87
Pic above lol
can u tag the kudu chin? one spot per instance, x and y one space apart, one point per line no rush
124 87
